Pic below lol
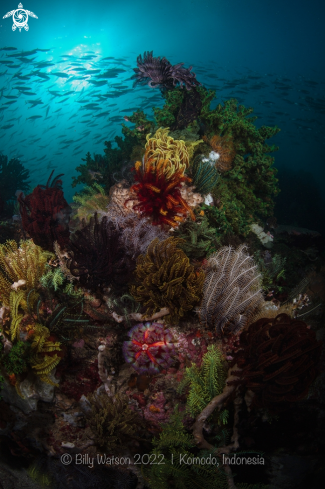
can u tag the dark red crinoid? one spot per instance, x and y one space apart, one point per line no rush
278 361
45 214
159 196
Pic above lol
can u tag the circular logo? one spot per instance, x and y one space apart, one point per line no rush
20 18
66 459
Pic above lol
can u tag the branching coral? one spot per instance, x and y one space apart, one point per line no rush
278 361
165 278
112 421
244 194
97 257
159 72
163 147
232 290
45 214
113 165
150 348
158 196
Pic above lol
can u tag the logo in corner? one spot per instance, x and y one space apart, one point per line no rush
20 18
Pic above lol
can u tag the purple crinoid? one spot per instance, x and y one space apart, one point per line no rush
150 348
160 72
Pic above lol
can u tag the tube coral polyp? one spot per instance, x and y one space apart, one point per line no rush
150 348
158 195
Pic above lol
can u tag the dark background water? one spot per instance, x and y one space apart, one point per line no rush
269 55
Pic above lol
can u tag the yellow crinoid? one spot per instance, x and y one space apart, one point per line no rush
163 147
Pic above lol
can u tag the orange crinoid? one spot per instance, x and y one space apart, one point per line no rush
158 192
224 146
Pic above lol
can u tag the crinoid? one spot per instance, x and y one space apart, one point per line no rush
165 278
164 147
158 196
278 361
231 290
223 146
159 72
45 214
97 257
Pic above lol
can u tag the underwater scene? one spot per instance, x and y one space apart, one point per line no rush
162 250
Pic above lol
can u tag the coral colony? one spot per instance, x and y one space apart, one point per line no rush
157 316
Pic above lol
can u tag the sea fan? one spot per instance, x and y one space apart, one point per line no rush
231 291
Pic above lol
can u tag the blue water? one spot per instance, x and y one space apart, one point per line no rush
269 55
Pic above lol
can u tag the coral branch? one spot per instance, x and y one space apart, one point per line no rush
136 316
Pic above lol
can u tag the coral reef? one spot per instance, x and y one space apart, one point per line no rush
278 361
165 278
150 348
153 307
159 72
231 290
45 214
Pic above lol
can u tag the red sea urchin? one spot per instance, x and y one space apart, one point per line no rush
150 348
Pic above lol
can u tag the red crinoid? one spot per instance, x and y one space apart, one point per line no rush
158 194
278 361
45 214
